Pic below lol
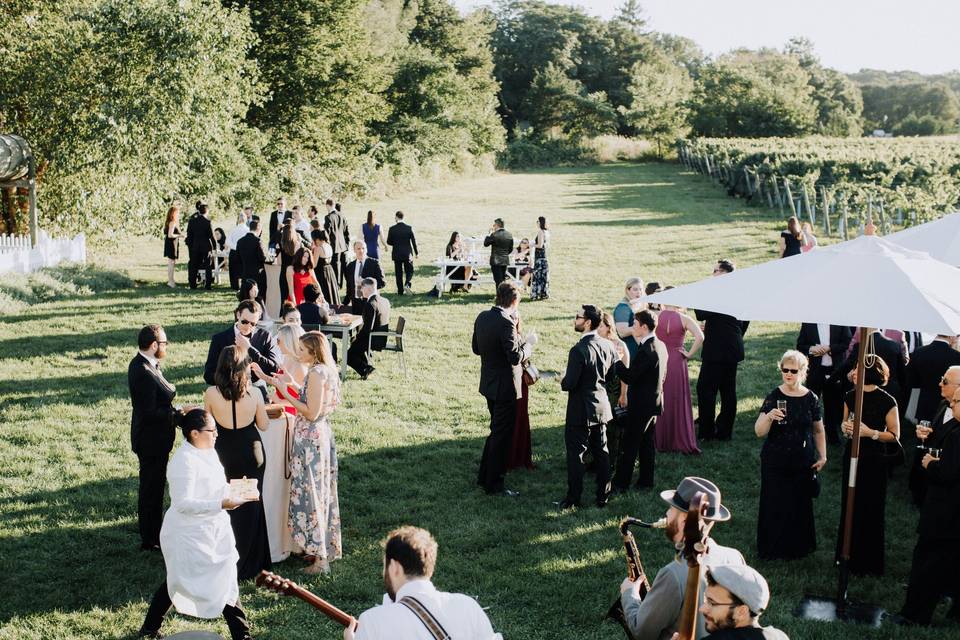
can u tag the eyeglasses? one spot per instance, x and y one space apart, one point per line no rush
250 323
162 342
944 381
709 602
793 371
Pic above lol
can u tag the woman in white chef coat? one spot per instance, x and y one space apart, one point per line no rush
197 542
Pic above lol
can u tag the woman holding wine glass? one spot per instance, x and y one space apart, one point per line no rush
879 426
794 451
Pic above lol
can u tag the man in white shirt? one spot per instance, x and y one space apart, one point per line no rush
241 229
412 608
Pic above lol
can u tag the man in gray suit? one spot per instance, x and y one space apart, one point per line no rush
501 244
588 408
339 234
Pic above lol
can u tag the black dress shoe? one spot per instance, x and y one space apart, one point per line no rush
603 501
149 547
566 503
504 493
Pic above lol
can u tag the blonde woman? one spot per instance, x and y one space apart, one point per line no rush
794 450
623 312
171 242
314 503
809 241
288 341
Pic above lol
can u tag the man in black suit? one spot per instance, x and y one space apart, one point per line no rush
589 364
259 345
339 234
722 352
376 317
891 352
825 346
401 238
501 350
644 378
500 242
200 244
925 370
949 383
252 259
358 269
936 558
311 313
277 216
152 428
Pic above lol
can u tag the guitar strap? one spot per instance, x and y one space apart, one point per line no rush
429 621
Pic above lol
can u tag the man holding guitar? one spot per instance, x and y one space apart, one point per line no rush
657 615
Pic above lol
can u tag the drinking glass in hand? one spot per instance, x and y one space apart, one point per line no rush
923 428
852 419
782 406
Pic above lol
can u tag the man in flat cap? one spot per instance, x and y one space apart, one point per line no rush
736 596
657 615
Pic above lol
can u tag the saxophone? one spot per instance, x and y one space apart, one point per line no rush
634 567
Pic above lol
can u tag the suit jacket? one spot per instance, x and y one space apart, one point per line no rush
501 243
401 238
645 376
199 235
918 475
589 365
501 350
940 514
151 424
892 353
263 350
276 223
927 366
311 313
722 337
252 257
337 231
371 269
809 336
376 317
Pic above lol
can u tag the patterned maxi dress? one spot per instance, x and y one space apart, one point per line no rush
540 283
314 504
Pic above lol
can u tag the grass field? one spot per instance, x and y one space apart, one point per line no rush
69 560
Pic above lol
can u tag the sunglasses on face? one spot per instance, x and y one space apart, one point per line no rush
250 323
793 371
944 381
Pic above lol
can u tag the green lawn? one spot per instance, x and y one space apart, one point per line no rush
408 447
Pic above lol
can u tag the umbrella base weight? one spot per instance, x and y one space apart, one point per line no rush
827 609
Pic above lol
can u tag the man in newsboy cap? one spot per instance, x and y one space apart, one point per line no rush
736 596
657 615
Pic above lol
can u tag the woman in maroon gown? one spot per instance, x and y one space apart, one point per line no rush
675 426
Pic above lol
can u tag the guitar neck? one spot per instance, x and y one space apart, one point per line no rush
337 615
687 629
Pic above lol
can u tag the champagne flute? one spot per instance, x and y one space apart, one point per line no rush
782 406
925 426
852 419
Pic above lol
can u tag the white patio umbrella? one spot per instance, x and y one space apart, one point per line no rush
940 238
866 282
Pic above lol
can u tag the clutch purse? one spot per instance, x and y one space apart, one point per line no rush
530 374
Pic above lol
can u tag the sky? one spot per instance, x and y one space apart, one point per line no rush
848 35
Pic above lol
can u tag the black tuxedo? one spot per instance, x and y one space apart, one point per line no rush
501 350
890 352
276 224
936 558
376 317
401 238
371 269
263 350
589 365
199 243
252 259
338 233
918 477
501 244
926 368
644 379
825 381
152 433
722 351
312 314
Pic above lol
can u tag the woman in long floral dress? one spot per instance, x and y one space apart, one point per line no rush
314 504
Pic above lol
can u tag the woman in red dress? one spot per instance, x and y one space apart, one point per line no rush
521 450
300 274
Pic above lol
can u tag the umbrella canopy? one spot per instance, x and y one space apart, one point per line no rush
940 238
866 282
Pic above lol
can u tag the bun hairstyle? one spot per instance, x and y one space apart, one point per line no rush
193 420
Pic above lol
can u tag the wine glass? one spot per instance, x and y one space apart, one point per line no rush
852 419
924 427
782 406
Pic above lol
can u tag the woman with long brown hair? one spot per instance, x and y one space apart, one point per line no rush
299 274
237 409
171 242
791 240
289 245
314 502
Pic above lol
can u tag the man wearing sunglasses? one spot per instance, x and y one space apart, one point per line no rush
258 343
932 436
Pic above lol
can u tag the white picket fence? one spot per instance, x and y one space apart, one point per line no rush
18 256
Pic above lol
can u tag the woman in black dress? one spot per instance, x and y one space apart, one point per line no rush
239 413
794 450
791 240
455 251
289 245
171 242
879 427
323 258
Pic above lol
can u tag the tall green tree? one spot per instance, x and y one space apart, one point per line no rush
838 99
661 90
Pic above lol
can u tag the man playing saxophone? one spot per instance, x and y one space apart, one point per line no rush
655 616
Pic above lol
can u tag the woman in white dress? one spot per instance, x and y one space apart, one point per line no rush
196 538
314 502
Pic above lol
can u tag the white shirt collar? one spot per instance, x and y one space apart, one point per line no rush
416 587
587 334
644 339
149 358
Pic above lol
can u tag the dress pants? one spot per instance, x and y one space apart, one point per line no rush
338 262
235 267
831 398
636 442
714 377
153 477
933 574
194 265
499 272
160 604
404 272
496 449
579 439
358 358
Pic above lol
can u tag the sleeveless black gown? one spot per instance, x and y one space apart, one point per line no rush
235 448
